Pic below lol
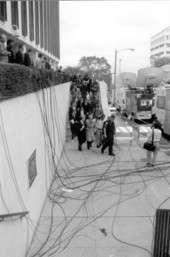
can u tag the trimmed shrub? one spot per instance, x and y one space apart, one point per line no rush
17 80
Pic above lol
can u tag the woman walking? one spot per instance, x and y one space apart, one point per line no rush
157 133
90 123
99 126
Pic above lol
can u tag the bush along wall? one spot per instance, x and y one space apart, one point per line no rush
17 80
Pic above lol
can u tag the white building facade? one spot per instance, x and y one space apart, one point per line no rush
35 24
160 44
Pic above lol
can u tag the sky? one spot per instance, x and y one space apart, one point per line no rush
98 28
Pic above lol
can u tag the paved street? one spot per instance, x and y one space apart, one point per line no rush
102 206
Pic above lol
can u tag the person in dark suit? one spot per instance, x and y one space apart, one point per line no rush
9 48
47 65
81 132
109 131
27 58
19 58
60 69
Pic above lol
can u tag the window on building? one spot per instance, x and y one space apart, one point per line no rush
24 17
45 25
168 45
159 54
42 24
157 41
168 52
31 20
37 22
162 45
14 13
49 27
160 102
3 11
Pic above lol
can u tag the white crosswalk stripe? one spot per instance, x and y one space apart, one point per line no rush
142 133
124 133
144 129
124 129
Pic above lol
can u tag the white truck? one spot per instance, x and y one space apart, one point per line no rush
162 107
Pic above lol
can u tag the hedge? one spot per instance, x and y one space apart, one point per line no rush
17 80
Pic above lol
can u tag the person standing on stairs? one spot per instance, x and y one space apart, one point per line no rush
81 132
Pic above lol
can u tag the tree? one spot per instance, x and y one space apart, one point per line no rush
72 70
159 61
97 68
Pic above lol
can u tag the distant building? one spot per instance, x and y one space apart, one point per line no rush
35 24
160 44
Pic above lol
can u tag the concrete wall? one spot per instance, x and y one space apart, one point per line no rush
104 100
28 123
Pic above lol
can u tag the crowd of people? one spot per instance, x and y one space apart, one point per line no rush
87 120
88 124
8 55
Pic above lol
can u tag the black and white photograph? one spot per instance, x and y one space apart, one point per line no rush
85 128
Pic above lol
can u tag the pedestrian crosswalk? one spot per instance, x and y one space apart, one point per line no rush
144 129
142 133
124 129
124 133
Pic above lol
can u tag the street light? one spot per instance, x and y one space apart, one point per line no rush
116 51
120 60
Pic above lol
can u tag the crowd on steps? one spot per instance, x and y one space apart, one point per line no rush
86 117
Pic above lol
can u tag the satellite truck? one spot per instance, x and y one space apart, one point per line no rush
162 101
139 99
139 102
124 81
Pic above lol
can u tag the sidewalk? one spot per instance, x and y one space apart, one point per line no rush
102 206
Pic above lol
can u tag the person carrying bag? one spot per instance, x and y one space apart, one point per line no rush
149 146
153 144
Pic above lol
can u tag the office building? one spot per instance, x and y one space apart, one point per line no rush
160 44
35 24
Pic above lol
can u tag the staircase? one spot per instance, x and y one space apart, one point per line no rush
68 131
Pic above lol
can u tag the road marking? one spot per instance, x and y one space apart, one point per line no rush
124 129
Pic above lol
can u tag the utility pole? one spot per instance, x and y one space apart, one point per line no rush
114 98
115 66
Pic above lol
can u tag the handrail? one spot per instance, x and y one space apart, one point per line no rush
8 215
